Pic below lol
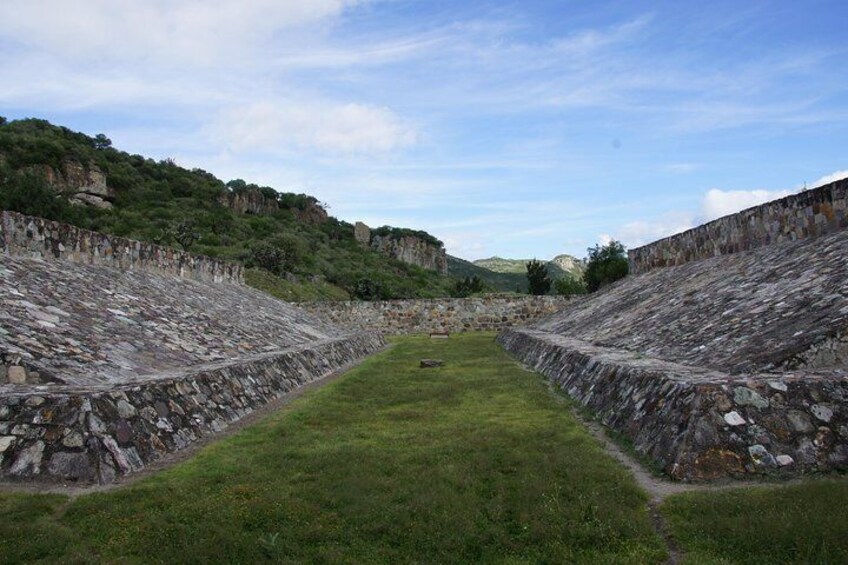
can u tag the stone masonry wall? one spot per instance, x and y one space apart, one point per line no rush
95 434
394 317
39 238
808 214
695 423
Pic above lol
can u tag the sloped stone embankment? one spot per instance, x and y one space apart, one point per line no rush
116 352
732 360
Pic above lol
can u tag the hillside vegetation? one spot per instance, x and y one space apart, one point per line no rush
306 254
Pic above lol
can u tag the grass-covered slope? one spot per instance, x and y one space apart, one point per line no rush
474 462
162 202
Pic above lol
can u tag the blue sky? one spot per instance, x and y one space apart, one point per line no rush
519 129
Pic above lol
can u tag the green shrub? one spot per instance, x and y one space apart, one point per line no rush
568 286
605 265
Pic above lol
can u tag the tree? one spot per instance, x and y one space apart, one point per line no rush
605 265
467 286
537 277
569 286
185 234
102 142
2 120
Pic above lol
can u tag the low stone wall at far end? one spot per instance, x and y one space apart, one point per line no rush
396 317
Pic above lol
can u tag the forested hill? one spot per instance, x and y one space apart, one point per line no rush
53 172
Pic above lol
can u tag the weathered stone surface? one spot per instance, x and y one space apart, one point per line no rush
74 466
690 420
27 236
396 317
250 201
362 234
757 310
16 374
431 363
412 250
808 214
127 444
135 355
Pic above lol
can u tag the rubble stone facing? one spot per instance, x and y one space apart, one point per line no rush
93 324
811 213
696 423
397 317
779 306
95 434
39 238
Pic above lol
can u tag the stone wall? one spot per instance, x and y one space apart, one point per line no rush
95 434
487 313
694 423
808 214
33 237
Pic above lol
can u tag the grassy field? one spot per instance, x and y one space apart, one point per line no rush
805 523
472 462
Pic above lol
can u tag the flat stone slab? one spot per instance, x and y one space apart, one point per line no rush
431 363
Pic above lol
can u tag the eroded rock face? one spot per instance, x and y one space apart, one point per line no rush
412 250
81 184
250 201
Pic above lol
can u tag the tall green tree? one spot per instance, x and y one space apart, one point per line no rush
537 277
605 265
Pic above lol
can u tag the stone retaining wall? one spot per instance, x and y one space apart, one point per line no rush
810 213
394 317
33 237
694 423
95 434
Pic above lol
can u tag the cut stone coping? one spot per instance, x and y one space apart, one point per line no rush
699 424
94 434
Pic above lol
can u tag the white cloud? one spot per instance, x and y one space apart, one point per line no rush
326 126
166 30
717 203
832 177
635 234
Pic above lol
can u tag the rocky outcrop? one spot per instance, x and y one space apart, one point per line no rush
412 250
311 213
409 246
81 184
250 201
362 234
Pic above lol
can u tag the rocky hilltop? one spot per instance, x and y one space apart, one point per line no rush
558 267
412 247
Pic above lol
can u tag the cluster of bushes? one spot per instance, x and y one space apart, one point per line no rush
398 233
162 202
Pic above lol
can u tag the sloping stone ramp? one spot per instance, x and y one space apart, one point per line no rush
731 365
116 353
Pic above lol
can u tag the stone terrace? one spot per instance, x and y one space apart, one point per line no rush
115 352
723 365
749 311
89 324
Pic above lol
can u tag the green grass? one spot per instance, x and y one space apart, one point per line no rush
805 523
472 462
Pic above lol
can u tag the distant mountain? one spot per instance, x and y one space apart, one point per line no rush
502 282
557 268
